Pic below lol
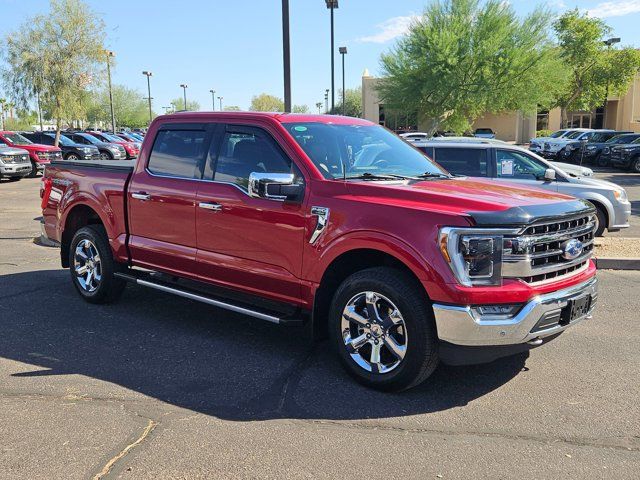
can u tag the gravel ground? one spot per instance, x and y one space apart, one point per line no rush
618 247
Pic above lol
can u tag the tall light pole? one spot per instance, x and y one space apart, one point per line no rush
213 99
110 54
319 106
343 52
286 56
609 43
220 100
332 5
184 91
326 101
148 75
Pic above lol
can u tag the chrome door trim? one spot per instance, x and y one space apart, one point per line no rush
216 207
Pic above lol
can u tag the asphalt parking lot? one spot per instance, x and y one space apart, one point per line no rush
631 183
160 387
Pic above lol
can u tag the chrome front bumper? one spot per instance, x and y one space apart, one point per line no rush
463 325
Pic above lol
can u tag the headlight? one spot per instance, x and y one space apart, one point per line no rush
87 150
474 255
620 195
591 147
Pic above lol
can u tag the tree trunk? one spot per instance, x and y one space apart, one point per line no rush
563 117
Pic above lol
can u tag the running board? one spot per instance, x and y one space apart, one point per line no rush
272 317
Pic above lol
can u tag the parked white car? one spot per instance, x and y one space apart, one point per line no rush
415 136
536 145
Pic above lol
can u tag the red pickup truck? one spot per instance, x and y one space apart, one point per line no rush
335 223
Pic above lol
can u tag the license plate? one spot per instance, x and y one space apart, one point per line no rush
578 307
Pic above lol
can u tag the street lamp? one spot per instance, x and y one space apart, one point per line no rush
110 54
332 5
184 91
220 100
343 52
213 99
148 75
609 43
326 101
319 106
286 56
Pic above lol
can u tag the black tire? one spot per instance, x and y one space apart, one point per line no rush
109 287
601 218
34 170
106 155
635 165
421 342
14 179
601 161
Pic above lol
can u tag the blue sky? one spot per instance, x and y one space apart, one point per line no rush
234 46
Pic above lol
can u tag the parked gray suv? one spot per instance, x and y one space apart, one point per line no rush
504 162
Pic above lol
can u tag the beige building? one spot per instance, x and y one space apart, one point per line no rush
620 113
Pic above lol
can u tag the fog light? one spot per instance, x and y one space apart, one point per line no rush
498 310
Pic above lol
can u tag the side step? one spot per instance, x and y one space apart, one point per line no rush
297 317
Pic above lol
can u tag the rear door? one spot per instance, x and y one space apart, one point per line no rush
162 199
472 162
253 244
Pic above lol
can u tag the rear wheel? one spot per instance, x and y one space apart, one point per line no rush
635 165
92 266
34 170
383 329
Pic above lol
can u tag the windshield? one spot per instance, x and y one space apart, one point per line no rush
557 134
17 139
90 138
63 140
356 150
112 138
623 139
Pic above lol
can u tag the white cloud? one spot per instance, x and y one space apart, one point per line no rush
615 8
389 29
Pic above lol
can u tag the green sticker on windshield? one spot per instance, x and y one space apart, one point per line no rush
300 128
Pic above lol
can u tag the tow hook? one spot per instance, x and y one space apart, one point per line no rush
535 342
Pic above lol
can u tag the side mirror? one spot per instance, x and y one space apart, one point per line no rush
274 186
549 175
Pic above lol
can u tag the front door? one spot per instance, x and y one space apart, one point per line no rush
162 199
248 243
518 167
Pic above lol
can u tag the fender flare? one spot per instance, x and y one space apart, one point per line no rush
77 199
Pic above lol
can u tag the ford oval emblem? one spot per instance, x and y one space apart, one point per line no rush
572 249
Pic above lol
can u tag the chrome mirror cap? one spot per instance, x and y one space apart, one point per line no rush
259 184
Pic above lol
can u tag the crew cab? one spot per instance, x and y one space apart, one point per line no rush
334 223
40 155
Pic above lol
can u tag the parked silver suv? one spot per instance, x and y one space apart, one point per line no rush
14 163
508 163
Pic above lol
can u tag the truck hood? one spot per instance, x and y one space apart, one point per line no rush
39 147
6 150
487 202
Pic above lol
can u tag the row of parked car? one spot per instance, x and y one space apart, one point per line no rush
620 149
26 153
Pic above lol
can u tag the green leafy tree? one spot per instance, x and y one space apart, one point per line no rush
300 109
58 55
177 104
232 108
353 103
595 69
464 58
23 120
266 103
129 106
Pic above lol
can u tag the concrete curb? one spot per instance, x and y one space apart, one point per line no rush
614 263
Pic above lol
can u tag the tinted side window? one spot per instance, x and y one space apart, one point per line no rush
242 153
518 165
427 150
178 153
463 161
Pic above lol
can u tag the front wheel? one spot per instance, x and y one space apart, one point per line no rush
635 165
92 266
34 170
601 221
105 156
382 326
73 156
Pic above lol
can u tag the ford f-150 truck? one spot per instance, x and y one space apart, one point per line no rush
334 223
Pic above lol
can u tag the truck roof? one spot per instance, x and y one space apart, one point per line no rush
279 117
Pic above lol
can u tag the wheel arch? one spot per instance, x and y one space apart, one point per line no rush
604 204
80 215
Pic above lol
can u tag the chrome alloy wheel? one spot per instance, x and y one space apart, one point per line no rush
86 263
374 332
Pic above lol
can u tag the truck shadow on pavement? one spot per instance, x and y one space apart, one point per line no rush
202 358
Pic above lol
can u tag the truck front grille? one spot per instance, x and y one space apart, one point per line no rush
539 253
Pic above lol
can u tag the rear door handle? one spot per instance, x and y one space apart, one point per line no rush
216 207
144 196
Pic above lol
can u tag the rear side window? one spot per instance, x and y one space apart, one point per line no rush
178 153
463 161
427 150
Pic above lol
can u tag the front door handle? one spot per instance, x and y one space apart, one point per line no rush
216 207
144 196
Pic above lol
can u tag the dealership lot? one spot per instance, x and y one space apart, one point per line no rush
160 387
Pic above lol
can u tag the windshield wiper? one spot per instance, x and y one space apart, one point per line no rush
432 175
377 176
